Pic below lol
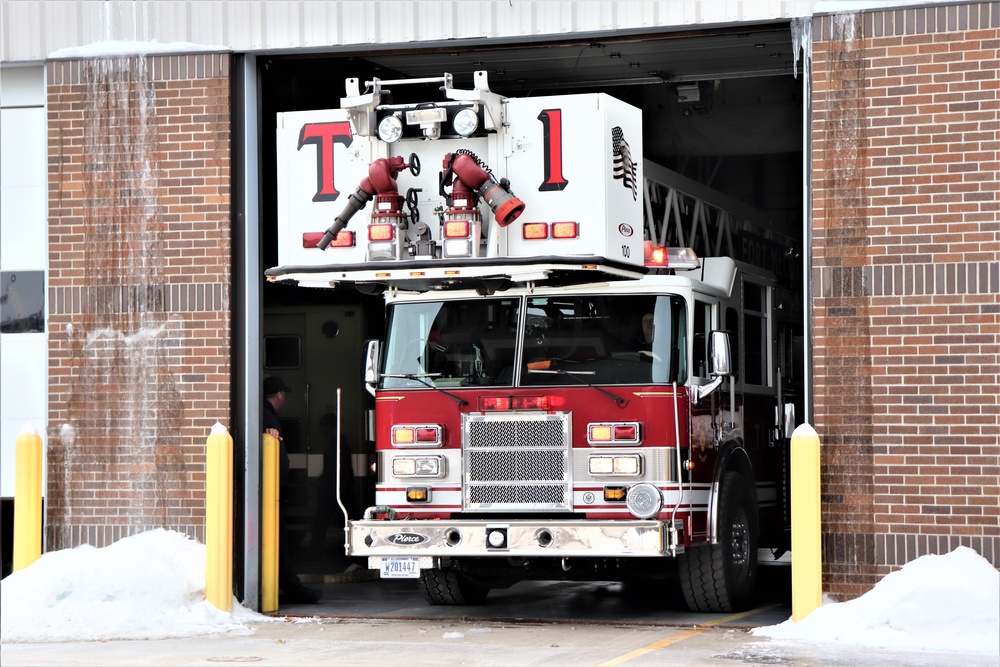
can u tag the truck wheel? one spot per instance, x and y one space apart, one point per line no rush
449 586
721 577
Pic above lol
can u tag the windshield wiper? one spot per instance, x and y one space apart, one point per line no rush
621 402
420 377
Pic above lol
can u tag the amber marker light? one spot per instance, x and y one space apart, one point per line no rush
615 494
418 494
404 435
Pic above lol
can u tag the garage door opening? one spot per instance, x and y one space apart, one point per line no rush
722 131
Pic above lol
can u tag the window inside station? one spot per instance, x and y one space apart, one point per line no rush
282 352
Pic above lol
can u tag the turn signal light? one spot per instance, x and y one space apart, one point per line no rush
418 494
615 494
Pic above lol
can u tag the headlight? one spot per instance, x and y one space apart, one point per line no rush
622 464
404 467
417 466
390 129
466 122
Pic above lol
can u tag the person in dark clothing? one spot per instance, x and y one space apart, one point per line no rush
288 581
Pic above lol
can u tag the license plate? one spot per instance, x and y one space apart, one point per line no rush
400 568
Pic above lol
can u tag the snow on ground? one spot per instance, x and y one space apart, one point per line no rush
948 603
147 586
152 586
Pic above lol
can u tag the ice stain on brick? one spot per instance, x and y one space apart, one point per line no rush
125 408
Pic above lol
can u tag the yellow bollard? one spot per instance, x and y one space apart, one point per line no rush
27 498
269 518
219 518
807 558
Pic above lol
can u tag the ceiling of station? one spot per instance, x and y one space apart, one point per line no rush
663 59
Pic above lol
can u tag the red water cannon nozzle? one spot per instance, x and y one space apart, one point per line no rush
381 180
474 175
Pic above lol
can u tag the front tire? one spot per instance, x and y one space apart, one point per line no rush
721 577
451 587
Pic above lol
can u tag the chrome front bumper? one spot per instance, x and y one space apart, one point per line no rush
522 538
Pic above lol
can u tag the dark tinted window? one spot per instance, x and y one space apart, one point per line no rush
22 301
282 352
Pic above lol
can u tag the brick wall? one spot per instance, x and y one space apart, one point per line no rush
906 256
139 285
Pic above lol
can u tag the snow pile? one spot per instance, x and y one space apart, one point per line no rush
147 586
152 586
948 603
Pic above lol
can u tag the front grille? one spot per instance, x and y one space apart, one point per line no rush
516 461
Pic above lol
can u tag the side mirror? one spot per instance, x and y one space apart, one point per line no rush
720 360
371 365
719 355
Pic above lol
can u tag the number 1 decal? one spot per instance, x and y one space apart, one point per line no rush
552 124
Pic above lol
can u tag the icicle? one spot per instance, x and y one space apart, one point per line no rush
801 39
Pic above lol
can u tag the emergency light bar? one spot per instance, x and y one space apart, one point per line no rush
659 257
513 403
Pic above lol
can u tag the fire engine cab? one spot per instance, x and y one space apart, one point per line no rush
558 394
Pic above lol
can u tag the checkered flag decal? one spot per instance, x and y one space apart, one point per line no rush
624 168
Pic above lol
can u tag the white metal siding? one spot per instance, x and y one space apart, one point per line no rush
23 247
31 30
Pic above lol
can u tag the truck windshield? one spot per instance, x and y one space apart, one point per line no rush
565 340
633 339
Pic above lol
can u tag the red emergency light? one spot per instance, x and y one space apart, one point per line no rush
456 229
672 258
533 231
344 239
565 230
380 232
487 403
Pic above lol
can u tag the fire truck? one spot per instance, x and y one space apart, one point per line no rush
560 393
